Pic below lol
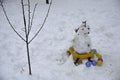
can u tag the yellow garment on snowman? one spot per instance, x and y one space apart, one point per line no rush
81 56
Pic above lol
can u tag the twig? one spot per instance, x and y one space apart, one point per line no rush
24 19
42 24
28 15
32 18
10 22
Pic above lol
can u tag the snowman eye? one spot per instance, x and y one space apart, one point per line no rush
88 28
76 30
88 45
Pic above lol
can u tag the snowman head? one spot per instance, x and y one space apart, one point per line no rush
83 29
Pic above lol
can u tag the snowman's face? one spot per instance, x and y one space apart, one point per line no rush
83 30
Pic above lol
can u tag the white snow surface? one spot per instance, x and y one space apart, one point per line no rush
47 51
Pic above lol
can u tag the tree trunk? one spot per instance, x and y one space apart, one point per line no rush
29 64
28 55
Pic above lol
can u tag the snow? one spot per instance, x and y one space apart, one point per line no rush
47 51
82 41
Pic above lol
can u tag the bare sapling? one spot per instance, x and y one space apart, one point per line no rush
27 27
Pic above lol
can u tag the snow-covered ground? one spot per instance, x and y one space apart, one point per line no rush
49 47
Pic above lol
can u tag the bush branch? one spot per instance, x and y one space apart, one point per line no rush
10 22
42 23
24 19
28 15
32 18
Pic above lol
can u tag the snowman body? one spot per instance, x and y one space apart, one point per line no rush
82 41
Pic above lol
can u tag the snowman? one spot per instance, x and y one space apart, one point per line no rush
82 42
81 48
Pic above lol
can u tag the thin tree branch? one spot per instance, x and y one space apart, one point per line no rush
43 23
24 19
32 18
28 15
10 22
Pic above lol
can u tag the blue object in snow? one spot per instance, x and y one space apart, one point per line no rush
94 50
88 64
94 63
